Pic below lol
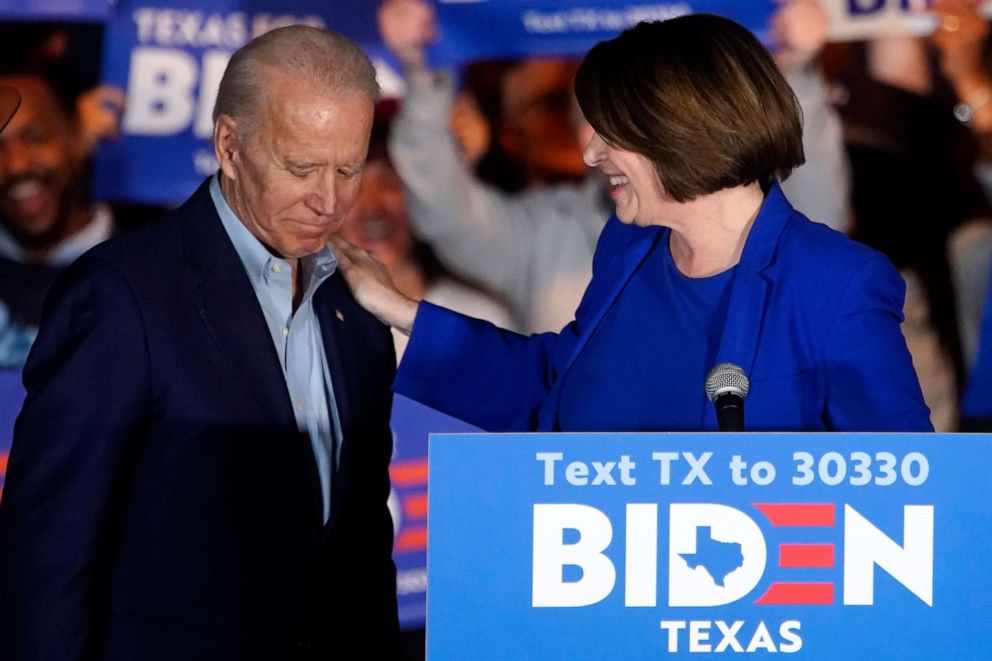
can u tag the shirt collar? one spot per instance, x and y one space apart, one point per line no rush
68 249
262 266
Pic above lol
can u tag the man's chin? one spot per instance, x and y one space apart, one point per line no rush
306 247
31 231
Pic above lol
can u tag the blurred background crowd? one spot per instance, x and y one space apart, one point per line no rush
476 196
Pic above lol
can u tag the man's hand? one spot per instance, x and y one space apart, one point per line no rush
407 27
373 288
99 111
959 40
799 29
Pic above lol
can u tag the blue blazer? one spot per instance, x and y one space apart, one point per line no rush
160 502
813 319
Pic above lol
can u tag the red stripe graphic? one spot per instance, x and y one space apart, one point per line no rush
806 555
411 538
798 514
415 506
799 593
3 470
409 473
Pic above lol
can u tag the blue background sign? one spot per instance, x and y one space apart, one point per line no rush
49 10
486 29
640 546
170 55
412 423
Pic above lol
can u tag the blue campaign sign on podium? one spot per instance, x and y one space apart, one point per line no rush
636 546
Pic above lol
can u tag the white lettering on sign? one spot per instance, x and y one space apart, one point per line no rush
866 546
699 640
160 85
697 470
171 87
716 555
551 555
594 473
195 29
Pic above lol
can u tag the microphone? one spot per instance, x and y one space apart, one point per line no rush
727 386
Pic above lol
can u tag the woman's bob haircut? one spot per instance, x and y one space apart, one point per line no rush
700 97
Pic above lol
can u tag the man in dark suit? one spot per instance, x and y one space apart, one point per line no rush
200 467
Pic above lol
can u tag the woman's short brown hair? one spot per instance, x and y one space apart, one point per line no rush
700 97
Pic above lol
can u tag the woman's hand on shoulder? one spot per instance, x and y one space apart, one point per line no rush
372 286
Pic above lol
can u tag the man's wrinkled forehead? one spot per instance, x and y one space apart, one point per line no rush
291 108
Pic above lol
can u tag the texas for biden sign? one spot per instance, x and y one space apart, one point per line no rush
611 546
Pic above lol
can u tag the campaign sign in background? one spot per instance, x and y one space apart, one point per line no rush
724 556
869 19
169 55
482 29
45 10
412 423
11 398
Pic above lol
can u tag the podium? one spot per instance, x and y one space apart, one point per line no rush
676 545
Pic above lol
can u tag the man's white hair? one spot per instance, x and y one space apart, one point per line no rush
321 59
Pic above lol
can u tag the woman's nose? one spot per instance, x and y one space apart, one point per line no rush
595 151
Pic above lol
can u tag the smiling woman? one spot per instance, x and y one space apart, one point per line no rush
693 113
705 263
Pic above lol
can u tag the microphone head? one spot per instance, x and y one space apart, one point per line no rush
727 378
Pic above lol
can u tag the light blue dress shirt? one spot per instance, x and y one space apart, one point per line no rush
296 336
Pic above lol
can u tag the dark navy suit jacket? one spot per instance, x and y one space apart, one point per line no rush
160 502
813 319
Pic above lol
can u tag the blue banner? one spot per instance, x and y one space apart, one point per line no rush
488 29
609 546
55 10
170 55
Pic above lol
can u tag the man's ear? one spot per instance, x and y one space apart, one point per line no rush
227 146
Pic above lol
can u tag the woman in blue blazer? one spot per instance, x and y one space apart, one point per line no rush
704 262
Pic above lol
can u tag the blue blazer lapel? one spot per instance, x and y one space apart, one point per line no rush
750 289
625 264
219 289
